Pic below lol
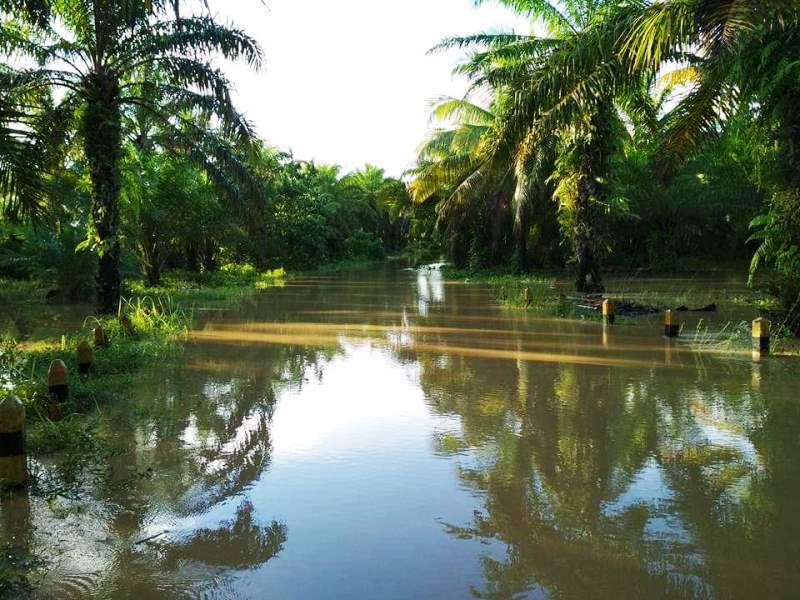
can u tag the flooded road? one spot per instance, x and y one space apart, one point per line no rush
394 435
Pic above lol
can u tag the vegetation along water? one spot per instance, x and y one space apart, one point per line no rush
554 358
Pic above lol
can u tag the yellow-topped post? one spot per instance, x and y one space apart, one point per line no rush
100 337
672 324
609 311
762 329
58 380
84 356
527 297
13 462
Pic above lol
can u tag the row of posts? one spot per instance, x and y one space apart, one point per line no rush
13 458
761 329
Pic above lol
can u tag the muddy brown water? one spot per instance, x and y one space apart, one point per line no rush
394 435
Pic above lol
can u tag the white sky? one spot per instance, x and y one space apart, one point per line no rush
348 81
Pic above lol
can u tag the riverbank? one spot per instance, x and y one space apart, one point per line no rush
159 317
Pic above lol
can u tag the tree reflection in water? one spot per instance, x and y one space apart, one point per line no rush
606 482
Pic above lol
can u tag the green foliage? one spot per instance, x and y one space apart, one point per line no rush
52 258
171 212
106 61
315 216
699 219
364 245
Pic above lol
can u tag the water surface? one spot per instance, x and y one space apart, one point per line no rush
394 435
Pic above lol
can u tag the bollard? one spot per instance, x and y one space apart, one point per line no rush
85 356
761 336
58 380
527 297
609 312
100 337
13 463
672 325
126 325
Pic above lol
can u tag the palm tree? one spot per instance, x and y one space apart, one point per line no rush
449 163
737 51
101 54
567 94
382 202
742 57
23 129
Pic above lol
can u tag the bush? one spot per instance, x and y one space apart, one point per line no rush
364 244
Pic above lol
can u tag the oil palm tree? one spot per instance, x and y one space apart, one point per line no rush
101 54
737 51
742 56
459 164
23 134
568 91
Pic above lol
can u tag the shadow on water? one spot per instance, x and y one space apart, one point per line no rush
395 435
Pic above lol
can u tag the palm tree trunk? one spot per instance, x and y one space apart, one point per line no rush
589 280
102 133
522 231
596 149
209 255
153 273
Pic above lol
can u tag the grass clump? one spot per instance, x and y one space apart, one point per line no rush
537 293
230 285
158 325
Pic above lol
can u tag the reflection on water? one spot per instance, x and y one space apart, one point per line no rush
394 435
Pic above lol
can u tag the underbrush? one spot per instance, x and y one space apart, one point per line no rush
21 291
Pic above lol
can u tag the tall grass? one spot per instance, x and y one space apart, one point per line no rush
158 325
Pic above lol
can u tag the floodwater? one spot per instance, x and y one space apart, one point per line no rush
394 435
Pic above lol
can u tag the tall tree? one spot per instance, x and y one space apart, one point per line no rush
101 53
566 94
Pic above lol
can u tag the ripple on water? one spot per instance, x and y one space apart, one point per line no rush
75 585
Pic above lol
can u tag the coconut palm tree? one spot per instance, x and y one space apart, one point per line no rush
101 55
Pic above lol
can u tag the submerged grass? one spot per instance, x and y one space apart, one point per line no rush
158 325
546 295
65 444
537 293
